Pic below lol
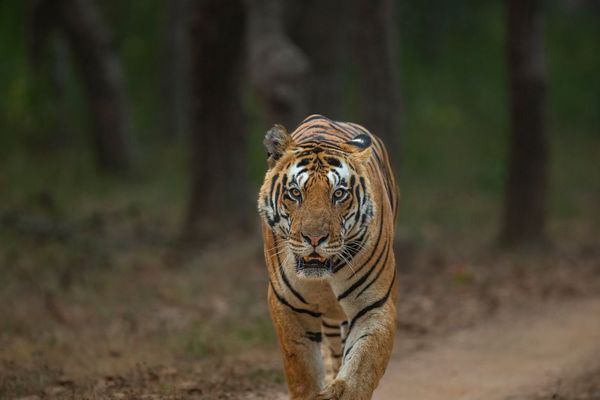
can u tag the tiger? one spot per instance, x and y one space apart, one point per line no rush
328 206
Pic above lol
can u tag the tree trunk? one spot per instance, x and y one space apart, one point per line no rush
176 68
278 68
375 51
525 203
59 78
101 71
325 43
41 24
220 196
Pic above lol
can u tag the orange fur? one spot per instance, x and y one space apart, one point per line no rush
328 205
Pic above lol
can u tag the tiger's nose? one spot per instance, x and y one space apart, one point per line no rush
314 240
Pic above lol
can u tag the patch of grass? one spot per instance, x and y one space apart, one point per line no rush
227 337
267 375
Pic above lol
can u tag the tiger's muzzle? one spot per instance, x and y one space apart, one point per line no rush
314 266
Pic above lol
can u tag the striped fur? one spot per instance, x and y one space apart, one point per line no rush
328 204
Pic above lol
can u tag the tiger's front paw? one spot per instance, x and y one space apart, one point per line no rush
334 391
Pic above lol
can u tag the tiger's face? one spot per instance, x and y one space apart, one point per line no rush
317 200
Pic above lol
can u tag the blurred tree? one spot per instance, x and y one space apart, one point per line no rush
278 68
325 42
89 40
525 203
220 196
374 43
176 67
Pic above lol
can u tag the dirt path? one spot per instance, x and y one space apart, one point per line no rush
508 357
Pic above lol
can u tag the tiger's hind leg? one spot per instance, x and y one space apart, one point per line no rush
332 347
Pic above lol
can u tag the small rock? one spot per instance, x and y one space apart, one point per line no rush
54 390
169 371
65 381
189 386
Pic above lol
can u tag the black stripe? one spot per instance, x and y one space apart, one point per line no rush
337 334
373 306
341 129
358 204
314 336
295 309
315 126
326 325
334 162
288 284
276 208
352 345
336 174
353 246
376 276
313 117
309 142
374 248
348 217
273 180
284 276
364 188
383 168
303 162
365 276
353 129
330 150
360 128
309 127
323 132
358 236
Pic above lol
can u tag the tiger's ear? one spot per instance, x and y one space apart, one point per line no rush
277 141
359 147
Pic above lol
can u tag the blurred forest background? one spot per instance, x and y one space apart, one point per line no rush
131 133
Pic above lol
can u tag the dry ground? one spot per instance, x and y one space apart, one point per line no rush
511 355
99 308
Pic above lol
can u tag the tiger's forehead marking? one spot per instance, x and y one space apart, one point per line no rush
336 169
338 176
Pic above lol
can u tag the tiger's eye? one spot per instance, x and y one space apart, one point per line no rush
295 192
339 194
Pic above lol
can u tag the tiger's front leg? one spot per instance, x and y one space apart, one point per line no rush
299 338
366 353
332 347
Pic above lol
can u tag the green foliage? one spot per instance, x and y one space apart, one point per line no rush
138 28
227 337
573 53
454 113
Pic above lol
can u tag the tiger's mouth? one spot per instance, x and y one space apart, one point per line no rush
314 263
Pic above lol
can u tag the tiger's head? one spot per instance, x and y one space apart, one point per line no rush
316 198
